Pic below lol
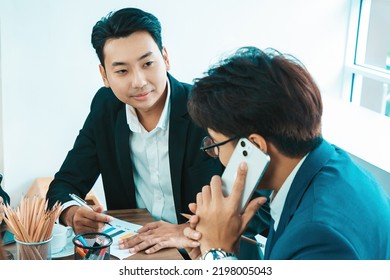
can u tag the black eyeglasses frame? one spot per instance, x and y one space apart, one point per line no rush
215 145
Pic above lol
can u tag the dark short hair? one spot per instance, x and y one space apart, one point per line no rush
123 23
263 92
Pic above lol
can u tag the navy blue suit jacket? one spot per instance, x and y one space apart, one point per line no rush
334 210
102 147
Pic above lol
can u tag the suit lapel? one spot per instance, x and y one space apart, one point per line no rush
122 144
178 126
270 238
310 167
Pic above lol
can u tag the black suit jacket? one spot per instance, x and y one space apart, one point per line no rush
3 194
102 147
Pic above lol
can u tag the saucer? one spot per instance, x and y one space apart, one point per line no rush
67 251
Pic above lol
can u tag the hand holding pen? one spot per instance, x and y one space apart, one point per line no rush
82 203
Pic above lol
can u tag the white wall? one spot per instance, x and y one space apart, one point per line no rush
49 71
363 133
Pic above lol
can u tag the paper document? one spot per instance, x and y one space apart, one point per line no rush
119 230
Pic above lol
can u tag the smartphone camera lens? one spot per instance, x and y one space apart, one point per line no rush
242 144
245 153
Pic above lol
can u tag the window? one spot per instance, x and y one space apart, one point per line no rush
367 82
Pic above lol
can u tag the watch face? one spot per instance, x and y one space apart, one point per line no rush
214 254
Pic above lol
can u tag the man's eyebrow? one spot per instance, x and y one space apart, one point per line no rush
145 55
119 63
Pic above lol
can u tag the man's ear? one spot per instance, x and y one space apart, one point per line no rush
166 58
104 76
259 141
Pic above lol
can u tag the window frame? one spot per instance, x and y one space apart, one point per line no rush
363 133
354 72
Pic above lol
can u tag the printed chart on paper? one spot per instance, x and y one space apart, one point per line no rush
120 230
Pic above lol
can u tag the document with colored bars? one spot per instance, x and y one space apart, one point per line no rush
120 230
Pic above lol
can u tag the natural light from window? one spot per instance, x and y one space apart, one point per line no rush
369 61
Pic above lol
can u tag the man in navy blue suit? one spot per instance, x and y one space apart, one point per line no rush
323 205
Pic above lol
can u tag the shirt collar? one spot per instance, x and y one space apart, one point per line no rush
136 126
278 201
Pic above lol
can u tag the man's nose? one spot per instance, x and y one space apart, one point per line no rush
138 79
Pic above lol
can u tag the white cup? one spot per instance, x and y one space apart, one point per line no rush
60 237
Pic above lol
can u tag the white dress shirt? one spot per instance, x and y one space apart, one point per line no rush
277 201
151 168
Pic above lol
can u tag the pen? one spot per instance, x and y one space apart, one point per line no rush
250 240
185 215
80 252
81 202
82 241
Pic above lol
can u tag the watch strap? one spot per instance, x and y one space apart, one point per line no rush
217 254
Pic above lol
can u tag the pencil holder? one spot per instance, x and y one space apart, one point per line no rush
92 246
33 250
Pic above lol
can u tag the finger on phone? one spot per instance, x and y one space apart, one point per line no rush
239 183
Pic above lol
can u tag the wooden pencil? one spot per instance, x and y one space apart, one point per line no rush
32 222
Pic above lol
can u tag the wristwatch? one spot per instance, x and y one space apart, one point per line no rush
216 254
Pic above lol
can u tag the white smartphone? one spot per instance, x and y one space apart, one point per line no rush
257 162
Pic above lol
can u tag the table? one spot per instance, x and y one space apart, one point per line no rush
136 216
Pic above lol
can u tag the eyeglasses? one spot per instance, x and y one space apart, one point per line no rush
212 148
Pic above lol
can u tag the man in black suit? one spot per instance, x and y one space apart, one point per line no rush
4 199
138 136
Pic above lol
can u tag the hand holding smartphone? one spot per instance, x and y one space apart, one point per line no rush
257 162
